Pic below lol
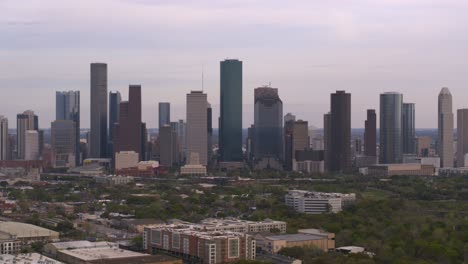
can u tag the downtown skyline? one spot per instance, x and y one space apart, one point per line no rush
307 49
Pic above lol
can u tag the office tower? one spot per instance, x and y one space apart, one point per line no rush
24 122
67 107
423 146
462 137
230 121
181 135
390 128
209 122
4 138
31 148
326 137
289 120
300 136
268 120
196 126
339 142
164 114
168 147
98 140
445 128
114 110
370 134
408 128
63 141
144 140
129 131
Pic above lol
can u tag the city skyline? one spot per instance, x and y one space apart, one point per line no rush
307 48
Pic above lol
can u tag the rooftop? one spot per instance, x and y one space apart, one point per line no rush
21 230
295 237
27 259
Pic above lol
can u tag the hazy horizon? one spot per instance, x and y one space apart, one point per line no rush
307 49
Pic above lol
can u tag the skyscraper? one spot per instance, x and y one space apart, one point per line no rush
128 132
300 137
168 153
289 120
24 122
164 114
340 132
390 128
268 120
63 133
462 136
408 128
370 134
67 107
209 122
114 111
326 138
197 135
31 148
98 137
4 138
230 121
445 128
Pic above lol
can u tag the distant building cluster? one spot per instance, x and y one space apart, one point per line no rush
275 140
318 202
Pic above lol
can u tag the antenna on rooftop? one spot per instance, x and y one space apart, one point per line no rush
202 79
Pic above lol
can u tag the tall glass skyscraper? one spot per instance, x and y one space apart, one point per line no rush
391 144
164 114
408 128
114 112
67 107
26 121
339 152
268 120
445 129
4 138
230 121
98 135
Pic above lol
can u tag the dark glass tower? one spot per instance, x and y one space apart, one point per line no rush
289 120
340 132
114 110
67 107
164 114
209 122
230 126
370 134
128 132
268 120
98 137
408 128
390 128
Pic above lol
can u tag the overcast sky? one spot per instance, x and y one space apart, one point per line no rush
306 48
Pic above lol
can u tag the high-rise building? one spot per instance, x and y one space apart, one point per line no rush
289 120
300 137
24 122
31 148
168 147
4 138
114 110
98 138
370 134
209 122
179 127
326 137
340 132
268 120
391 144
230 121
462 137
196 126
408 128
129 131
445 128
63 133
164 114
67 107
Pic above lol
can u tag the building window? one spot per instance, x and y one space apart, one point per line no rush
175 240
156 237
186 246
233 248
